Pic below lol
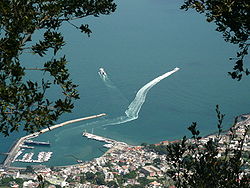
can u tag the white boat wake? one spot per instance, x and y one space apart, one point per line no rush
134 108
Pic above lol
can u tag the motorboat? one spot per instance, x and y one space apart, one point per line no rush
102 72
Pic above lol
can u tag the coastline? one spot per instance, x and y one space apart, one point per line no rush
16 146
116 145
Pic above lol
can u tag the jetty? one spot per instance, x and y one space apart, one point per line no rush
14 151
71 121
109 142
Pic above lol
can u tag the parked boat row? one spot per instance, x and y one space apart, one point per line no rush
27 157
44 156
18 154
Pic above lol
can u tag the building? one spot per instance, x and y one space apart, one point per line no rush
150 170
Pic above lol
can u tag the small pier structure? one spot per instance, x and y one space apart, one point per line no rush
110 142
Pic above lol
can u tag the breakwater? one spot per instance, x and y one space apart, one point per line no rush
71 121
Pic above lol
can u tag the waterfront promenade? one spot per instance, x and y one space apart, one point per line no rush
14 150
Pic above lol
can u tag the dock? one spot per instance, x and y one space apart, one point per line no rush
109 142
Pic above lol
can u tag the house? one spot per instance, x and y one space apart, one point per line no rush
155 184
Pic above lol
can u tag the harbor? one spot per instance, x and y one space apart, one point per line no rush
26 142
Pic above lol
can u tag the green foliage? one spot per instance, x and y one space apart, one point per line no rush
159 149
7 181
89 176
130 175
23 102
19 181
197 164
144 144
112 184
157 161
120 180
134 186
41 181
100 178
232 19
97 178
144 181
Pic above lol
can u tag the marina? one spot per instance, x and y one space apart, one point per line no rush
26 143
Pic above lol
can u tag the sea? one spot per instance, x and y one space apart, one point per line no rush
141 41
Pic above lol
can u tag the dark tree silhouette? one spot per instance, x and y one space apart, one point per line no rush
232 18
23 102
213 163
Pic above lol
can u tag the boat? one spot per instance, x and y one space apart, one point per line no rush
32 142
102 72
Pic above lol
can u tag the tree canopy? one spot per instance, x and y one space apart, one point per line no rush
23 102
232 18
196 163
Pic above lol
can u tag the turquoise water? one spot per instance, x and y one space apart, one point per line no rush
142 40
